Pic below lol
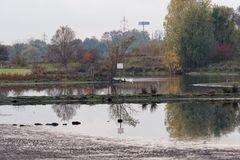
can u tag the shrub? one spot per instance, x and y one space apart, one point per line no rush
38 70
234 88
153 90
226 90
224 52
144 91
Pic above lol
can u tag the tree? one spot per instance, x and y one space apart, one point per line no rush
30 54
171 61
3 53
16 54
172 25
118 51
224 24
42 48
189 32
196 40
226 33
62 49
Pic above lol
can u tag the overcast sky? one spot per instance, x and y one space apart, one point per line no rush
24 19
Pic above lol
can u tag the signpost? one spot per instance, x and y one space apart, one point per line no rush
120 66
143 23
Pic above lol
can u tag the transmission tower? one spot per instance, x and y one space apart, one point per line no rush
124 24
45 37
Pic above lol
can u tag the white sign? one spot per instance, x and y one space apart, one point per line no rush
120 66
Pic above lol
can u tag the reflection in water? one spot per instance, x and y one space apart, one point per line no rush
65 111
192 120
124 112
215 122
60 91
153 107
164 85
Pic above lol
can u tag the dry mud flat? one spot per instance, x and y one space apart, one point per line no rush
34 143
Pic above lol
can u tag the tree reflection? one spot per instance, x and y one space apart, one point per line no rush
65 111
124 112
192 120
153 107
60 91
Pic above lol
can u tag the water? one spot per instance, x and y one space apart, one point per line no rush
163 85
216 123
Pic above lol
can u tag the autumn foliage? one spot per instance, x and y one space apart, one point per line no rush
88 57
224 52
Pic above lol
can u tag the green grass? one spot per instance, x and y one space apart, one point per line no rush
54 67
20 71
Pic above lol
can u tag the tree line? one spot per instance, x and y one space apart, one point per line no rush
65 48
198 34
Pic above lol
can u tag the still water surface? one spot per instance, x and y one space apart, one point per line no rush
217 123
163 85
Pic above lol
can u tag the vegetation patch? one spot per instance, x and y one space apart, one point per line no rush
15 71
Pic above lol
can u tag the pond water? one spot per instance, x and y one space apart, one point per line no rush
218 123
163 85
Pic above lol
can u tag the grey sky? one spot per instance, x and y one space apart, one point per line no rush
25 19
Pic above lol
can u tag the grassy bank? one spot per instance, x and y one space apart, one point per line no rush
15 71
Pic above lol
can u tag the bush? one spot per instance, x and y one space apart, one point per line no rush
226 90
38 70
153 90
144 91
235 89
223 52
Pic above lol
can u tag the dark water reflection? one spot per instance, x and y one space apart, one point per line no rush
65 112
191 120
163 85
215 122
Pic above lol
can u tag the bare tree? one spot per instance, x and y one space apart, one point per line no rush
62 49
118 51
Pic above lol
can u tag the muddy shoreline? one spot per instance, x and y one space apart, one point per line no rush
118 99
30 143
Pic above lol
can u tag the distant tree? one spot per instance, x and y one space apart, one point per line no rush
112 36
90 43
62 49
196 40
93 44
42 48
118 51
3 53
237 16
31 54
79 49
226 32
16 54
224 24
158 35
141 38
